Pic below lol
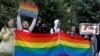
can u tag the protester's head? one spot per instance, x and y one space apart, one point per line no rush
57 23
38 22
73 29
25 24
10 22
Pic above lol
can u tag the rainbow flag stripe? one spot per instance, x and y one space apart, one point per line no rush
30 44
74 45
29 10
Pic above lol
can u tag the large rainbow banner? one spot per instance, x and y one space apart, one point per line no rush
30 44
29 10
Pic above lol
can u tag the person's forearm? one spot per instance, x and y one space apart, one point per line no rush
19 22
33 24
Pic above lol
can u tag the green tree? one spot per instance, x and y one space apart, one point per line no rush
49 10
8 9
87 11
70 12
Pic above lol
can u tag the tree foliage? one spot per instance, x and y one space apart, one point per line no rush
70 12
86 11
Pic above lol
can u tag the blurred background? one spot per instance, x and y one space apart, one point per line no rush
70 12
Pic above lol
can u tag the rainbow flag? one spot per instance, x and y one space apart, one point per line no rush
74 45
30 44
28 10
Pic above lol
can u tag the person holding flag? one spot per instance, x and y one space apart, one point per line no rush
24 26
7 36
29 11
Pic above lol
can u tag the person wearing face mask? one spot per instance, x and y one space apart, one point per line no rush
7 36
24 26
56 27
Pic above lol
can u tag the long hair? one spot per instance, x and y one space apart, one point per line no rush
6 22
76 29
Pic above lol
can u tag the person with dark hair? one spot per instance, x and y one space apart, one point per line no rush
73 31
43 28
37 27
24 26
7 36
40 27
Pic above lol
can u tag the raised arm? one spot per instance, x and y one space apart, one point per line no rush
33 24
19 27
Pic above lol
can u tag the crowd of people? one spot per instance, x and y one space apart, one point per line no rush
7 33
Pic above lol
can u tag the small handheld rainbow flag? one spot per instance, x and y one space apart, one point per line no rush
28 10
